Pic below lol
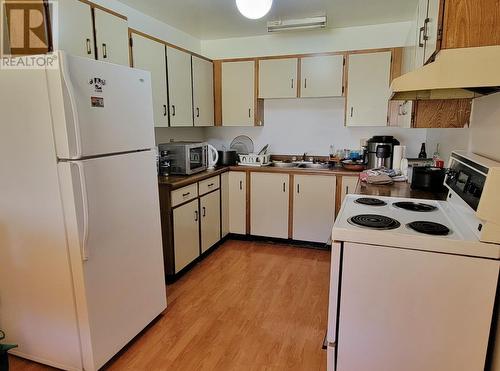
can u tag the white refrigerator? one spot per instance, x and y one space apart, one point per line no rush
81 261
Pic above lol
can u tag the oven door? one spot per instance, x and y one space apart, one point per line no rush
196 159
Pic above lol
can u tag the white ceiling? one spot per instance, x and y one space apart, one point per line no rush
215 19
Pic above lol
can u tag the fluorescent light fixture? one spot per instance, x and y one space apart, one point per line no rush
296 24
254 9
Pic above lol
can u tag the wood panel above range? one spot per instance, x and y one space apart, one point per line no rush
471 23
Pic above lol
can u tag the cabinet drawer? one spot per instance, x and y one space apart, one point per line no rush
184 194
209 185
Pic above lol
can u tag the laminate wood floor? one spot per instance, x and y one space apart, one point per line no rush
248 306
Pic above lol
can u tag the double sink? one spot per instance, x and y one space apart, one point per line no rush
301 165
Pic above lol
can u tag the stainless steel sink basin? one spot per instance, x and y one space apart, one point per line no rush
284 164
314 166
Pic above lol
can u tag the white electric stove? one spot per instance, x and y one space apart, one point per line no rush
413 282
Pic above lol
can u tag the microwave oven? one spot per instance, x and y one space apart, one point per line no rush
186 158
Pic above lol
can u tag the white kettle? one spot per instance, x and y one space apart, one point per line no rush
213 156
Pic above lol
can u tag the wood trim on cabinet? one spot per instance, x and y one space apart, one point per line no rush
248 201
396 63
140 33
130 48
291 193
256 113
338 194
299 76
100 7
218 93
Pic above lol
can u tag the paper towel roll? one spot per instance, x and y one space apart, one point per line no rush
398 154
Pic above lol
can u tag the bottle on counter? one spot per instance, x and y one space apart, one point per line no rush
423 153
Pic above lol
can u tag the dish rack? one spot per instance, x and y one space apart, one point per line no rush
255 160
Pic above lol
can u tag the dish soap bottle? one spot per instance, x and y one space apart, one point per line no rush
423 153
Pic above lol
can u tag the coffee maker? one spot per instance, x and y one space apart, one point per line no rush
379 151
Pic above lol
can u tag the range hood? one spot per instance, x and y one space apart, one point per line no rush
455 73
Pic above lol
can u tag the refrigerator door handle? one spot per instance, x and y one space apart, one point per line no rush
85 209
69 88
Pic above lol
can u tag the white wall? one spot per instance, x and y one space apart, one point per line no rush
449 140
485 126
336 39
152 26
295 126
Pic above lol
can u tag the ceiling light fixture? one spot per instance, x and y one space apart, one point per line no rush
254 9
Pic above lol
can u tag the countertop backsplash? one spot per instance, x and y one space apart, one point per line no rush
310 125
295 126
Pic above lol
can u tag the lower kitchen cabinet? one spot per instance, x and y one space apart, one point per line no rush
186 237
349 185
313 207
269 202
237 208
210 220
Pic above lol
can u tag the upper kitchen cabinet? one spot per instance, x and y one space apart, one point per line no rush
75 32
278 78
79 23
179 87
368 88
203 92
429 30
149 55
238 93
322 76
111 37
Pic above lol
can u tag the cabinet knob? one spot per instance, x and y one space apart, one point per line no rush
196 216
104 51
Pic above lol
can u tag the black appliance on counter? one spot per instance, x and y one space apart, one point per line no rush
428 179
228 158
379 151
164 163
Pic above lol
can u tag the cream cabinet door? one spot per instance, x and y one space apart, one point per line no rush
238 93
238 202
186 234
322 76
210 220
313 207
278 78
73 31
431 29
203 92
349 185
420 33
149 55
368 89
180 88
111 37
269 201
224 189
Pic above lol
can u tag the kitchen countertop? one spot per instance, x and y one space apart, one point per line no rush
179 181
398 189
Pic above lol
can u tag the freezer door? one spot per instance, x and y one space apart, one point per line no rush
99 108
117 213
